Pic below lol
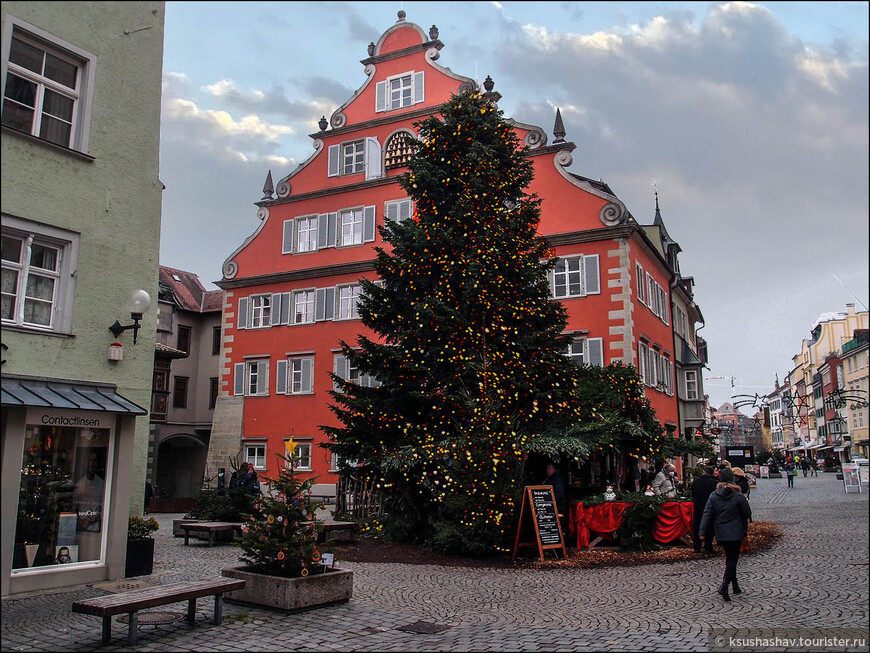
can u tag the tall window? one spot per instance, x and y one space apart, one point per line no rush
352 227
586 351
47 89
400 92
213 391
183 339
348 298
306 234
215 341
353 157
179 394
301 375
303 306
37 287
251 378
691 384
261 311
303 456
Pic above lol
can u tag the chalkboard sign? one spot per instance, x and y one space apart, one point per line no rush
538 514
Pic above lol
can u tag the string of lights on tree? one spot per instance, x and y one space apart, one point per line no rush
470 351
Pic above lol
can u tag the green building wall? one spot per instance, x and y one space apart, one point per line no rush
113 200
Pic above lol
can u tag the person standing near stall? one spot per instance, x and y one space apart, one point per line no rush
728 513
702 487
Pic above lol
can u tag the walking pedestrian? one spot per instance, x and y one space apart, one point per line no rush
805 466
815 466
728 512
789 473
702 487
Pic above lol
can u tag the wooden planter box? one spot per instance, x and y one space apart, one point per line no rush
140 557
291 594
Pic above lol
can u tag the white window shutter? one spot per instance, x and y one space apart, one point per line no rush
239 379
277 307
334 159
322 231
284 316
368 224
339 367
640 284
242 322
419 94
307 375
287 246
329 304
391 211
641 362
380 97
596 351
406 208
262 377
593 282
281 377
320 304
332 229
373 158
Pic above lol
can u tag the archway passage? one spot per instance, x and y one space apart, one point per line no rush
178 471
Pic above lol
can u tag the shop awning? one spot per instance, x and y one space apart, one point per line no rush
71 395
842 447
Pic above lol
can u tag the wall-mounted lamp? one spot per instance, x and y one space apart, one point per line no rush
138 303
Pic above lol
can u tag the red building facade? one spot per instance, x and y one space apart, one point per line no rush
291 288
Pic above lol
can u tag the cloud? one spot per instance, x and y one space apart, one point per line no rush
273 102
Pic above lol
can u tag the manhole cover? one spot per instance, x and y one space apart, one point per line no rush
156 617
423 628
115 586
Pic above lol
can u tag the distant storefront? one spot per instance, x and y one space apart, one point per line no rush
66 491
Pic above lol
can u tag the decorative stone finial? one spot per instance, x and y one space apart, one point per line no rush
268 187
401 15
488 84
559 128
372 49
323 123
433 33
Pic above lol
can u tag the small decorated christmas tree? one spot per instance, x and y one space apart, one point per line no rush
280 537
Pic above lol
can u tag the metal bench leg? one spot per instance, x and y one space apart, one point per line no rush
186 537
211 538
107 629
218 608
191 610
134 628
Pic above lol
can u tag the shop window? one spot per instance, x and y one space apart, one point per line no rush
63 496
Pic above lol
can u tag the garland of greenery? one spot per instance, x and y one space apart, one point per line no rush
636 530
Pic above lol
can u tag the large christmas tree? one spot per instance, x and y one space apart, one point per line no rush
469 366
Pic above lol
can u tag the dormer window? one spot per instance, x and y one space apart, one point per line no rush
399 91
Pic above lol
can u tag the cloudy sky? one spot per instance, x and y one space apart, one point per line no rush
750 118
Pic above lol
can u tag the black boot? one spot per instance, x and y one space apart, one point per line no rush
723 590
735 587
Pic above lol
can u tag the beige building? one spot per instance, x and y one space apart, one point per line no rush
854 356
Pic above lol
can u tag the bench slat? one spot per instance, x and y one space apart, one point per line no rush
132 601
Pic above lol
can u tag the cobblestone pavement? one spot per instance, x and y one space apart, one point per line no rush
816 577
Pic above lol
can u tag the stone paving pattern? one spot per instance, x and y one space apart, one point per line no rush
816 576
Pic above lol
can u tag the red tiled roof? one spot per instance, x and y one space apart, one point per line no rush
189 292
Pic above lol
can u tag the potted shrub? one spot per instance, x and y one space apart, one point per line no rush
283 567
140 546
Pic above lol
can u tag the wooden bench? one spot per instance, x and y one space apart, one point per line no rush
350 527
135 600
210 527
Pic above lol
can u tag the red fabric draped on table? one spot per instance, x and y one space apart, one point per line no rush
674 521
604 518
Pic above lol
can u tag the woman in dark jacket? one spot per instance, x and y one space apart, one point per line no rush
741 480
729 512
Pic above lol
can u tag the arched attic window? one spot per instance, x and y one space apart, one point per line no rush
397 151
